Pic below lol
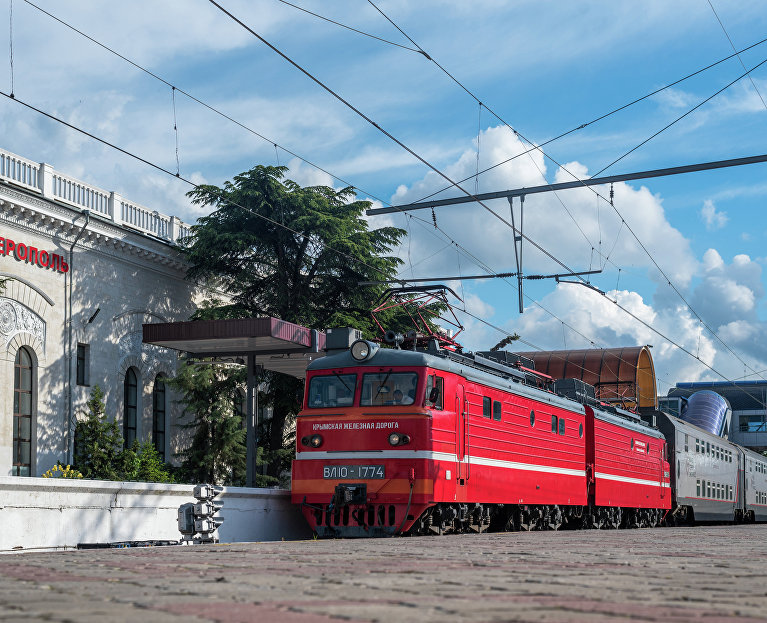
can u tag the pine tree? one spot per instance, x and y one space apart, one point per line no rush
216 453
98 443
294 253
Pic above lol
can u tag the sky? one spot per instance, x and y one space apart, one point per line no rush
681 257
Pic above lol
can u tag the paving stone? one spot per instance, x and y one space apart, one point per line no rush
705 574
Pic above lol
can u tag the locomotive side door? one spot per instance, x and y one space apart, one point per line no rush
460 434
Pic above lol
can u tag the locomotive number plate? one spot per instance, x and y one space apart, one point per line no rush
353 472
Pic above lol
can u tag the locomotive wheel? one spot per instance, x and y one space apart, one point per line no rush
526 521
592 519
554 518
513 521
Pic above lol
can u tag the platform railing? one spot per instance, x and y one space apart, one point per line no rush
42 179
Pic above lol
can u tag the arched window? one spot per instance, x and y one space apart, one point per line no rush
130 395
23 404
158 416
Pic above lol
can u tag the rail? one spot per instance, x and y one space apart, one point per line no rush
43 180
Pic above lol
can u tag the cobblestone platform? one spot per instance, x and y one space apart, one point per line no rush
705 574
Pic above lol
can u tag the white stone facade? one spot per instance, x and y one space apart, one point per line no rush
125 271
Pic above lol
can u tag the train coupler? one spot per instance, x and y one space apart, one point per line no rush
350 494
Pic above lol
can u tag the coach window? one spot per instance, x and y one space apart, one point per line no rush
532 418
497 410
708 449
561 426
24 398
632 443
130 396
554 423
486 406
686 449
580 430
697 482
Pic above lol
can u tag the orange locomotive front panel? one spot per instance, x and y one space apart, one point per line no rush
362 475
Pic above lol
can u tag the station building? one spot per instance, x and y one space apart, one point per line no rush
83 269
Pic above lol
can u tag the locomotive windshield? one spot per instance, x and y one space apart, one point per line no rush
334 390
388 388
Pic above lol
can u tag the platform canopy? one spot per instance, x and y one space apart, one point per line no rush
622 376
277 345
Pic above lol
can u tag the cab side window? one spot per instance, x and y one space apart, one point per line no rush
435 391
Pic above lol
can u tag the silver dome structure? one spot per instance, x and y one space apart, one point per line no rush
709 411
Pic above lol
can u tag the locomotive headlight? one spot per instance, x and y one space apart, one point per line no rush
362 350
315 441
398 439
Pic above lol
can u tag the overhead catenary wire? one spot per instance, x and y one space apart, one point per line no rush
10 42
361 32
436 170
600 118
175 130
195 99
476 98
357 111
179 177
623 222
726 34
678 119
532 301
174 88
141 159
504 122
297 155
260 216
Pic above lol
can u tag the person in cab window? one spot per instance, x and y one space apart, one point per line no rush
401 399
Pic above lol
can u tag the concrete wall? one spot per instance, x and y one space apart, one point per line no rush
58 513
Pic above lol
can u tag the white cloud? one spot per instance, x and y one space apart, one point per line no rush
728 292
714 220
676 98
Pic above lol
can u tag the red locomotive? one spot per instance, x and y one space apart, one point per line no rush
425 439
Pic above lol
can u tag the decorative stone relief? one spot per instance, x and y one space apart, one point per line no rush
16 318
150 355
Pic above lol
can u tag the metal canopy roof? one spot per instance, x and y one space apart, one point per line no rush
623 375
278 345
